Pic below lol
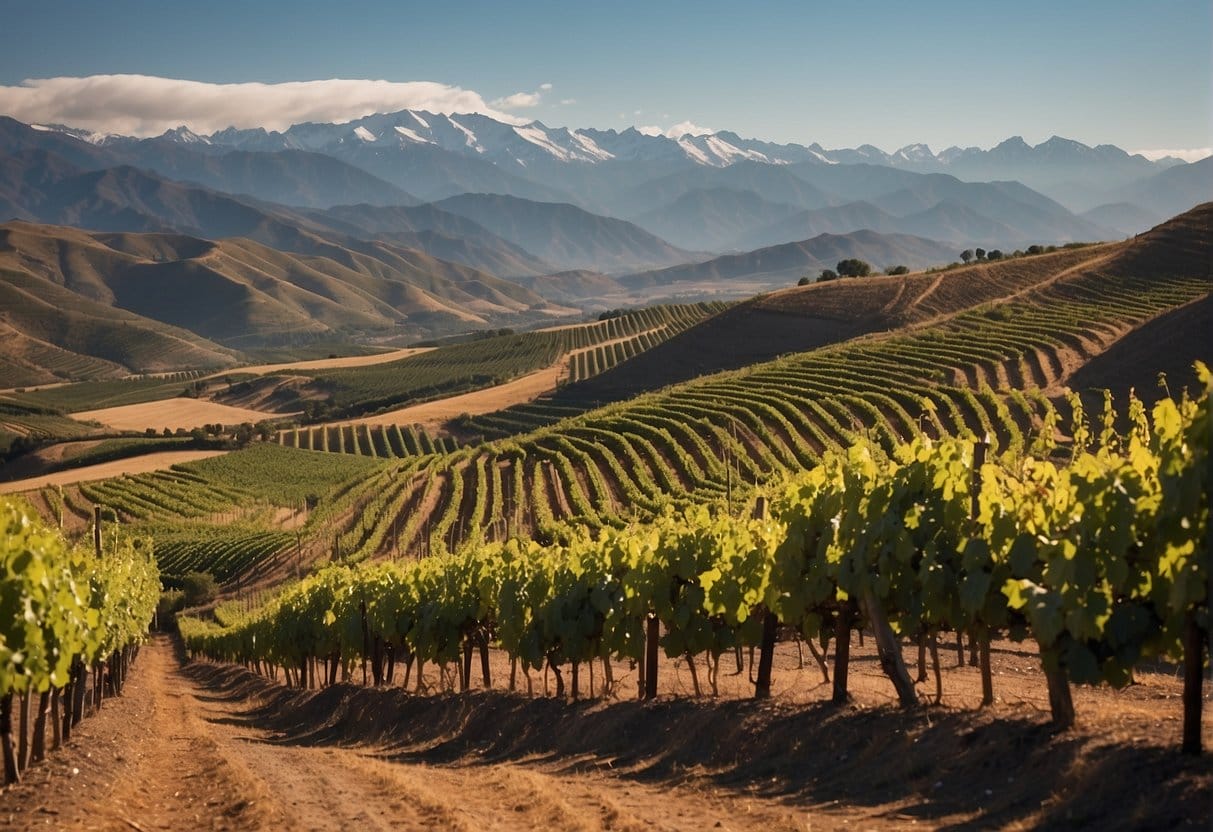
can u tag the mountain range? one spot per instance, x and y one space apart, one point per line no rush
424 223
1067 170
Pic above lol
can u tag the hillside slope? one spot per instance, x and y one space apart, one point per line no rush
784 264
802 318
565 235
244 293
58 320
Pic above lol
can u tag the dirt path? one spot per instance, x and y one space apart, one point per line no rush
436 413
324 363
177 752
133 465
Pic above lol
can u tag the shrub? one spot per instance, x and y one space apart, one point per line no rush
198 588
853 267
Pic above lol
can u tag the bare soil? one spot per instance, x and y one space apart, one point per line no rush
206 746
325 363
435 414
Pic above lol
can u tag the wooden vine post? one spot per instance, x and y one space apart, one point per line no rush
1194 667
650 657
842 651
770 628
983 632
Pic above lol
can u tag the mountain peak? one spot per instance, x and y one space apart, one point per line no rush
183 135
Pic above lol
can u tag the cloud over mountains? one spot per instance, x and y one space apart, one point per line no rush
145 105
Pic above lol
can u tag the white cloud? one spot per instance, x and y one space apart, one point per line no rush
143 105
1191 154
522 100
683 127
518 100
566 102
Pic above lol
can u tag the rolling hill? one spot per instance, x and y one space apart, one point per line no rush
244 293
437 232
784 264
567 236
715 219
803 318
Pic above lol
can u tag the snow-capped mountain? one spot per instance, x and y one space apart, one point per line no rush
520 146
436 155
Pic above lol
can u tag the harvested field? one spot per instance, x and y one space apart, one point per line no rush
325 363
179 413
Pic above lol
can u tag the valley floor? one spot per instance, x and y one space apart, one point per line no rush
203 746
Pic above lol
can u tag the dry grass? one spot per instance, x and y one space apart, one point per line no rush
326 363
179 413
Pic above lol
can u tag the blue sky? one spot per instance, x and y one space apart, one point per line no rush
886 73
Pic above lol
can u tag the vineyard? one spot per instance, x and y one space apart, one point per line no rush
227 552
219 515
72 620
95 395
1099 558
982 374
40 362
489 361
382 441
33 422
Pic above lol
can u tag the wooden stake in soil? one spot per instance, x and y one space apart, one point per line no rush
650 657
842 651
97 530
12 772
766 656
1194 665
981 633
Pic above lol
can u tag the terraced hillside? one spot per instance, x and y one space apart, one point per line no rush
236 515
804 318
995 370
986 372
486 362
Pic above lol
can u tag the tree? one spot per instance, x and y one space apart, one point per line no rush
966 255
827 274
981 254
199 588
244 434
1036 250
897 270
265 430
804 281
853 267
994 254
